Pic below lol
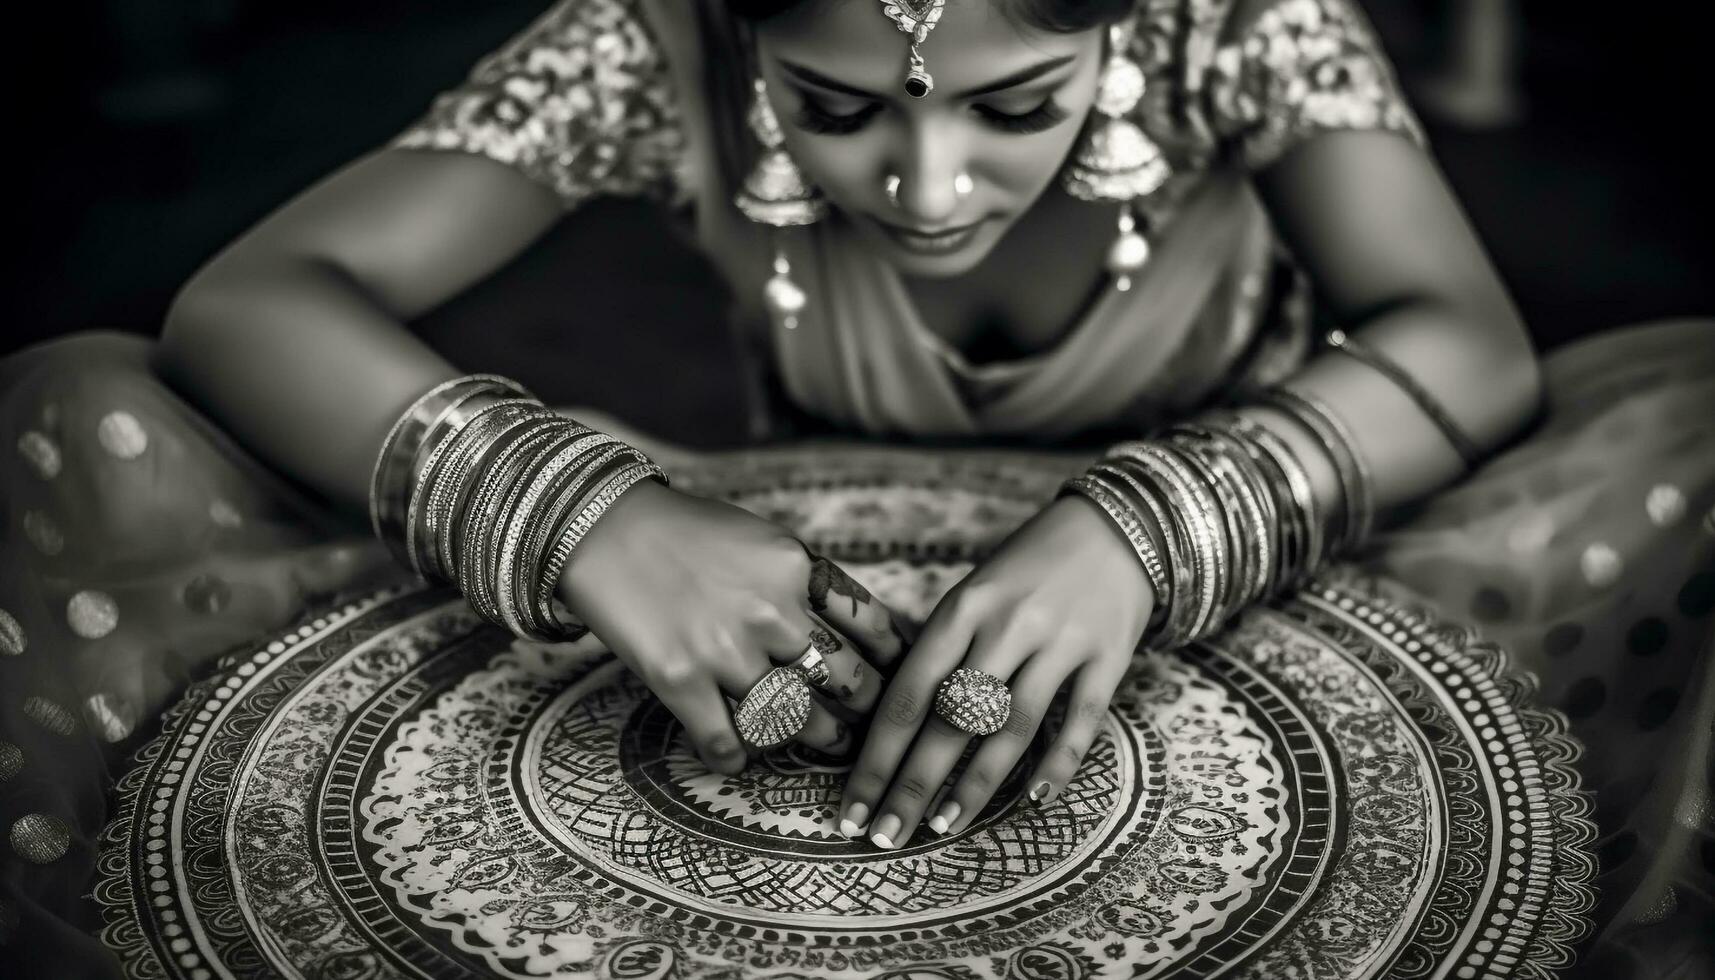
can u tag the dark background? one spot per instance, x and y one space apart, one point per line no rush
155 130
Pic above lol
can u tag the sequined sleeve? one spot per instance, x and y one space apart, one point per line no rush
1298 68
581 101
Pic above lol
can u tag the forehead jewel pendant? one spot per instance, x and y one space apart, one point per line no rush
916 18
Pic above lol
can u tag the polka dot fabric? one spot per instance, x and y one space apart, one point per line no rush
1587 551
138 544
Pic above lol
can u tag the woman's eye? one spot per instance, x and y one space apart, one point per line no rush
814 117
1045 115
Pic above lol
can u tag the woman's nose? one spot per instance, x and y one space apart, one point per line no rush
929 191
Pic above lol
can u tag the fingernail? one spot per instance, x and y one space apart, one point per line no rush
885 828
1039 792
941 821
855 820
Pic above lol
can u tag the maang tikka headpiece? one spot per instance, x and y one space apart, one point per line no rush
916 18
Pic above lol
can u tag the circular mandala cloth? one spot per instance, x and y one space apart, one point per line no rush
1340 785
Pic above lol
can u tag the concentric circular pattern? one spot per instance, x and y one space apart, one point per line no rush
775 709
973 701
1339 786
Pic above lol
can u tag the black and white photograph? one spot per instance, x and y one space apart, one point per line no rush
841 489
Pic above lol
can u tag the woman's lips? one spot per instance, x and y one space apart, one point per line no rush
938 243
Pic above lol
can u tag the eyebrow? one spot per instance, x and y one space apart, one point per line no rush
1023 75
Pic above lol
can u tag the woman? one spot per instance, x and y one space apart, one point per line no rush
1030 220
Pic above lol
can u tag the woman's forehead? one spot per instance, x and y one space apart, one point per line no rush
854 41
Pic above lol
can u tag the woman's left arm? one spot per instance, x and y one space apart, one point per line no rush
1369 216
1373 222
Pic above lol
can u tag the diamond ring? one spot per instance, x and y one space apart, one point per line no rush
775 709
973 701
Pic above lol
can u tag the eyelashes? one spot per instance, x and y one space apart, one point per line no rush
813 117
1045 116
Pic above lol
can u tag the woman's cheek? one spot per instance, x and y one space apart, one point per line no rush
842 168
1026 167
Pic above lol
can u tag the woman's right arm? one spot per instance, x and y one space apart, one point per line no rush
293 337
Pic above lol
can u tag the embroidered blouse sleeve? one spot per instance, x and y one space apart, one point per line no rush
1301 67
581 102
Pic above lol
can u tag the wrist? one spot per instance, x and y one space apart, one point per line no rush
627 511
1084 512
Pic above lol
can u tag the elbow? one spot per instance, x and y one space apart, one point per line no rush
185 314
1516 375
1532 392
206 320
188 331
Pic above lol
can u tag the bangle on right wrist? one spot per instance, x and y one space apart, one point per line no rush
482 485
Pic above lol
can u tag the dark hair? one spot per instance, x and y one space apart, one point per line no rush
1062 16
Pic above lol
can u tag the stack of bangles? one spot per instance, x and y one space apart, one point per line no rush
480 484
1221 514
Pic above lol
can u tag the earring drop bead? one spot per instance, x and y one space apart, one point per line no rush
785 298
1129 253
1126 257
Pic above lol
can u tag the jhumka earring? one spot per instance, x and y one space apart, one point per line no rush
776 193
916 18
1118 161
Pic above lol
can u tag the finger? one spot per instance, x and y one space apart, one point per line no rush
851 681
1033 690
786 636
902 709
852 610
919 779
938 745
699 706
820 730
1086 712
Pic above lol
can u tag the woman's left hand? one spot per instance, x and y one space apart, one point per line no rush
1065 595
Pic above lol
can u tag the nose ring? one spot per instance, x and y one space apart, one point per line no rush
963 185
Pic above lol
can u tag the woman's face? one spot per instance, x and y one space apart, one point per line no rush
1009 102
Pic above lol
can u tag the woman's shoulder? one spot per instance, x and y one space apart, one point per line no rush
1250 78
581 100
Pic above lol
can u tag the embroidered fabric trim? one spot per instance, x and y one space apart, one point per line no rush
581 101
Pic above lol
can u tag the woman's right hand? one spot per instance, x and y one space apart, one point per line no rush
701 599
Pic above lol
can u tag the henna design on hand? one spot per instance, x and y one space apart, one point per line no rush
845 691
825 642
827 577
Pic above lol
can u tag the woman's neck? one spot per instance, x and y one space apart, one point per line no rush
1028 293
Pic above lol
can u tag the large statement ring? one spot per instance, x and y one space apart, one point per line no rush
814 660
775 709
973 701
